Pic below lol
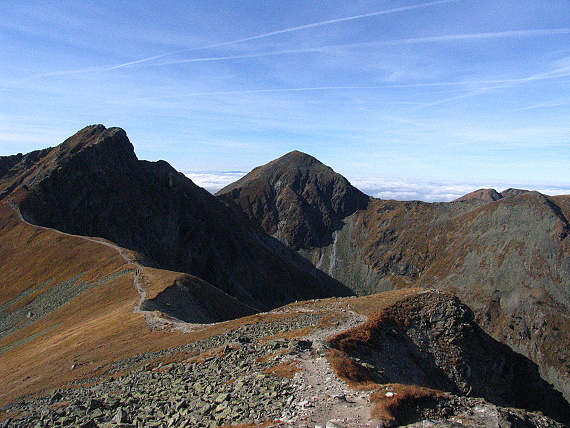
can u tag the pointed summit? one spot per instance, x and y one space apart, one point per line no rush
297 199
92 184
114 139
290 167
486 195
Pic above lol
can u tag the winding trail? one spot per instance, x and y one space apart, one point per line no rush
139 281
321 398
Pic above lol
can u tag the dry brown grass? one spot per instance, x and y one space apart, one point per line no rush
401 403
286 369
90 331
351 372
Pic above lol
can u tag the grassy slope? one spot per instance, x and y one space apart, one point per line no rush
91 330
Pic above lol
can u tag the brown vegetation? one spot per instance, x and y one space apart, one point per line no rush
285 369
350 371
402 404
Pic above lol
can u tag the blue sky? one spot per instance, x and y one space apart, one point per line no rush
455 91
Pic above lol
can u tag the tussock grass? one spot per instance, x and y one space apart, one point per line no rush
350 371
401 404
285 369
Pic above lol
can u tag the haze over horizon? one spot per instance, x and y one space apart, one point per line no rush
392 188
451 95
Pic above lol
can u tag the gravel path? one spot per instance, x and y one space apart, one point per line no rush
321 398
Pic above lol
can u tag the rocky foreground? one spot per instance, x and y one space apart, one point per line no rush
282 371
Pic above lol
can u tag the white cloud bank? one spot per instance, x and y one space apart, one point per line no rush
214 181
386 188
439 191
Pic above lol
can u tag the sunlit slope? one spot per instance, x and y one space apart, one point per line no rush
68 306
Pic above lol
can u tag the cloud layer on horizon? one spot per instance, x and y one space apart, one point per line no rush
386 188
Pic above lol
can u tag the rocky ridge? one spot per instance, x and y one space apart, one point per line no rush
93 185
505 254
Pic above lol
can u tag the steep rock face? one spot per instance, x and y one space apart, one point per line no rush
430 339
94 185
297 199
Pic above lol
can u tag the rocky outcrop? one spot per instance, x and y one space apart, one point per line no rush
94 185
430 340
297 199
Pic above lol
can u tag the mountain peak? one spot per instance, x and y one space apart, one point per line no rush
490 195
296 198
113 139
297 158
93 147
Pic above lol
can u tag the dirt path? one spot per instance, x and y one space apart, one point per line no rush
322 399
139 281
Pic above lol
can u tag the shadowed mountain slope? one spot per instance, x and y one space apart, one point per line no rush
297 199
507 256
94 185
430 339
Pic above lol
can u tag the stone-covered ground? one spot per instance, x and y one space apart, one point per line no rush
225 379
269 373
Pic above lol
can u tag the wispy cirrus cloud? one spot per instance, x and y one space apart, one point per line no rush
448 89
333 48
252 38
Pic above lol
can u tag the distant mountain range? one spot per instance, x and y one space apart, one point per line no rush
86 229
